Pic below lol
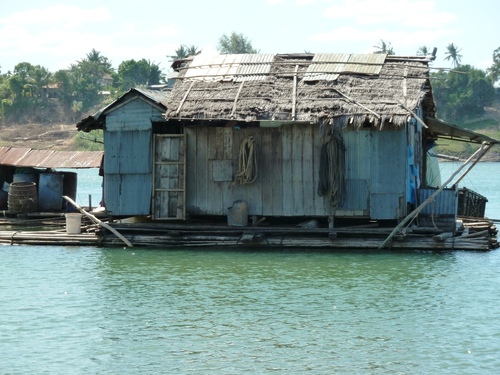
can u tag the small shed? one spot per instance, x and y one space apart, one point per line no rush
129 123
329 137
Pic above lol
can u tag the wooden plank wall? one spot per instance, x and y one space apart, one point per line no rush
288 163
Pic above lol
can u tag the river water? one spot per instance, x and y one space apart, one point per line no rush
83 310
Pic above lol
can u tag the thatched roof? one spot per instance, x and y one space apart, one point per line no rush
337 88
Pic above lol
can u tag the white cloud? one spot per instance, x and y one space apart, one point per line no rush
403 13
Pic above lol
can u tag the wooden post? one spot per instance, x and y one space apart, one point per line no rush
98 222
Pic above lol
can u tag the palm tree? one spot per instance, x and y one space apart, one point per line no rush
98 59
384 48
184 51
423 51
452 54
39 78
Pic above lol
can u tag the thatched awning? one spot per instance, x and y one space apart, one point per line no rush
340 88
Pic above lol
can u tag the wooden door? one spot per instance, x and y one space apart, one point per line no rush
169 192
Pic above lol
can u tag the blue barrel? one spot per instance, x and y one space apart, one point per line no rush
50 192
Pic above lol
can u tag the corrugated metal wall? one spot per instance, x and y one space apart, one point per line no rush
288 162
128 159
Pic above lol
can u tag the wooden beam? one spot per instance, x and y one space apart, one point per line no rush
99 222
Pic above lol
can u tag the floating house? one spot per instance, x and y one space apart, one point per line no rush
286 150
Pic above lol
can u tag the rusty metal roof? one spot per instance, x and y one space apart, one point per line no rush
28 157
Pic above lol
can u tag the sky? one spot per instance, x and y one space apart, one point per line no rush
56 34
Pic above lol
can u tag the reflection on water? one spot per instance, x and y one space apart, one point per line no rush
87 310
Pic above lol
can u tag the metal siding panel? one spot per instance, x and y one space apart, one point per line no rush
128 152
135 115
128 172
445 203
357 195
388 174
133 196
287 171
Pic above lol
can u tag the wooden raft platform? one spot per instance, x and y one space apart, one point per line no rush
357 237
47 237
479 236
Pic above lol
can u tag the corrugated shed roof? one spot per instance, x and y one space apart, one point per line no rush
28 157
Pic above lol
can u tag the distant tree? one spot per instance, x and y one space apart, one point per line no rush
133 73
494 71
453 54
235 43
27 80
384 48
462 93
184 51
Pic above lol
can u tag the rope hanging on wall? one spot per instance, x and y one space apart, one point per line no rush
332 169
247 172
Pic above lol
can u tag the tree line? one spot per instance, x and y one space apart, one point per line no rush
461 92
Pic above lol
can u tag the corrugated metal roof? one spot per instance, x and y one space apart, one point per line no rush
328 66
242 67
369 63
254 67
28 157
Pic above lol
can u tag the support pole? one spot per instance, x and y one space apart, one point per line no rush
99 222
482 150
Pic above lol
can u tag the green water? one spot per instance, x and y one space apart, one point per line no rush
122 311
83 310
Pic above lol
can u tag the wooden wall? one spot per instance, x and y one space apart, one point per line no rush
288 171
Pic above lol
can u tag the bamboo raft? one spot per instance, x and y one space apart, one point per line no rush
478 235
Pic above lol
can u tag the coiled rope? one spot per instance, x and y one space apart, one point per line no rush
247 172
332 170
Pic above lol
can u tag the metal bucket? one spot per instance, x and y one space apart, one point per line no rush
22 197
50 191
238 214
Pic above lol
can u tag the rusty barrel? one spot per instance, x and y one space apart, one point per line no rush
23 197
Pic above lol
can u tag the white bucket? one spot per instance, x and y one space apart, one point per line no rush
73 223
